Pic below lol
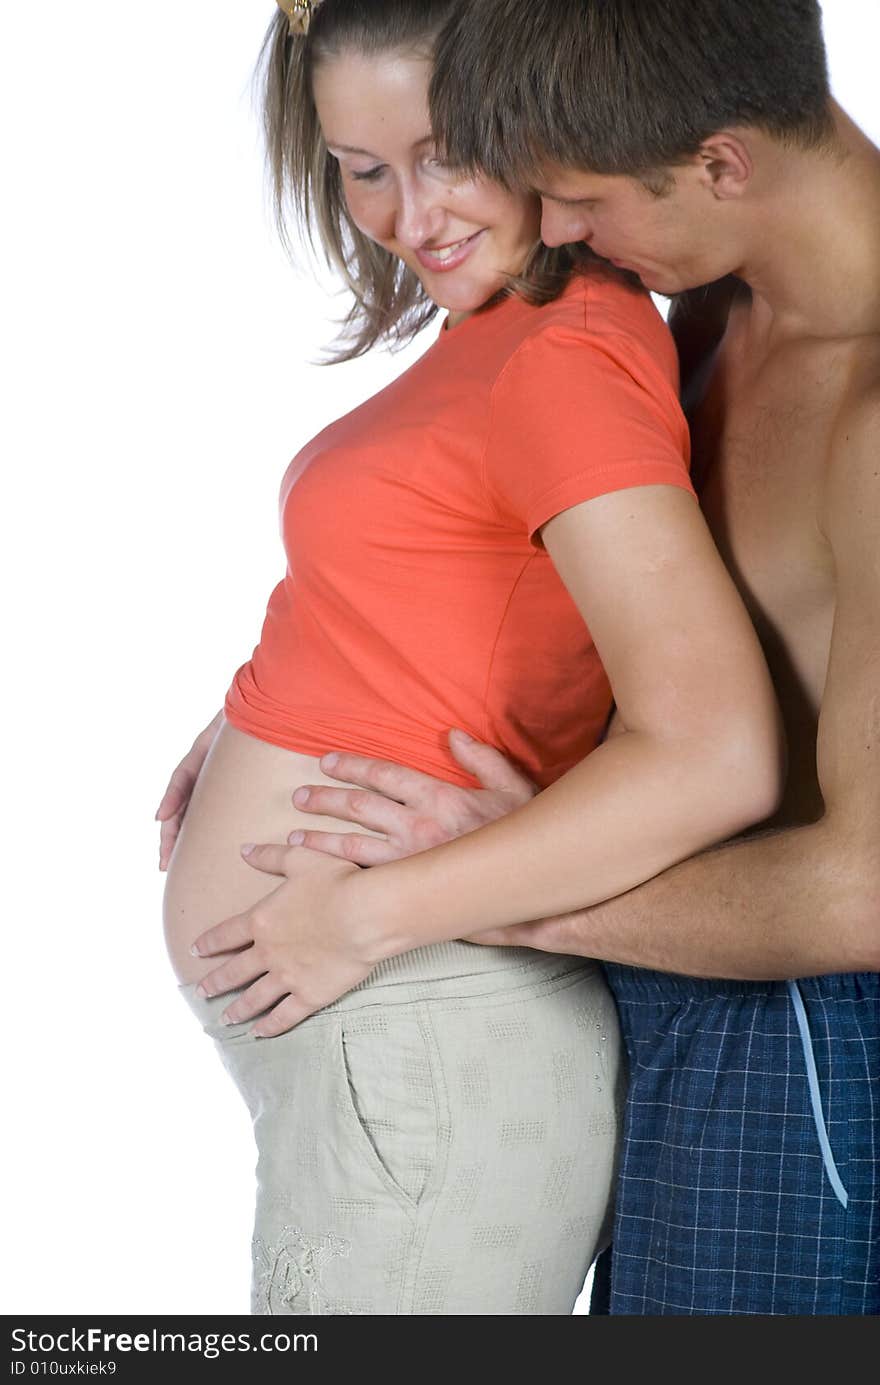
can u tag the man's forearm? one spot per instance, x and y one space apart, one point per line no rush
777 905
617 818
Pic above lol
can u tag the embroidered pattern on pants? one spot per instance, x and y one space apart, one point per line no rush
287 1276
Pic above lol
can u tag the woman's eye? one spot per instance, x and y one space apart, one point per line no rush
369 175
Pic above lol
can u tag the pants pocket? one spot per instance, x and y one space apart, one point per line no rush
390 1096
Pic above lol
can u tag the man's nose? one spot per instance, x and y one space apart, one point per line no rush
563 225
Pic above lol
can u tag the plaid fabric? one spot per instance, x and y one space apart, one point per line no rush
724 1201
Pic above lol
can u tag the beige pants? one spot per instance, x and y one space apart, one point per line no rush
442 1140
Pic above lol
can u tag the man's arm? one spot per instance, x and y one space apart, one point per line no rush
790 903
698 760
804 901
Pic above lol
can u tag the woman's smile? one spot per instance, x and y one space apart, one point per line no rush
442 259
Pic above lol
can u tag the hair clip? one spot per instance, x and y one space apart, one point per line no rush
299 13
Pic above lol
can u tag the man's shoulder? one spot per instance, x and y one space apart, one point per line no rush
852 489
857 427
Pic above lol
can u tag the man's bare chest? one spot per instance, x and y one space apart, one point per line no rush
761 439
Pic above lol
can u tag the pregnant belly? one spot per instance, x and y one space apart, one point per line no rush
243 794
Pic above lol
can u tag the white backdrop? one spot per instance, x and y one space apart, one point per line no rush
156 380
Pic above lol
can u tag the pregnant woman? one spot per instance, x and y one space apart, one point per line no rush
461 549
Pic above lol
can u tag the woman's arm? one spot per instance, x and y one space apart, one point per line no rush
700 759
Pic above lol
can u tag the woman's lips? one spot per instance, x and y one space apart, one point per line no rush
453 254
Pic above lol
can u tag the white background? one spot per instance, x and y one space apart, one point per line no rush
156 380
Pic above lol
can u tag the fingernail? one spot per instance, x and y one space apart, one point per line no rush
296 839
247 848
255 1034
194 951
227 1019
462 734
301 797
330 761
200 990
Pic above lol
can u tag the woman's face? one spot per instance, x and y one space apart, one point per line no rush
461 237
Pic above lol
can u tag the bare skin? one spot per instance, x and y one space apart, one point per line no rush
787 424
782 378
642 571
231 786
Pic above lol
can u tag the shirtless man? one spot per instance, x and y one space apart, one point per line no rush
749 1179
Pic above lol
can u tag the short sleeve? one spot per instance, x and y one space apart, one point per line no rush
575 415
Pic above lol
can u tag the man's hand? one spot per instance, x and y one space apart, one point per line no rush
412 810
175 800
300 946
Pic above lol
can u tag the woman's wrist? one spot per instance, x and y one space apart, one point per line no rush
373 903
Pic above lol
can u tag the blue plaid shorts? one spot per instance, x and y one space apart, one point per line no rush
753 1116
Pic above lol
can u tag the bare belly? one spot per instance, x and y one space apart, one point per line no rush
243 794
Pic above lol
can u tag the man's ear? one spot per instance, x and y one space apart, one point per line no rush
726 164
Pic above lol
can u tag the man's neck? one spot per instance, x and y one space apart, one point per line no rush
814 262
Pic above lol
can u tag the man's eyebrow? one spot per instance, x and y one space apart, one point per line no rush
563 201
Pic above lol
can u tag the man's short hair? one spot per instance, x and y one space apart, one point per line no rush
623 86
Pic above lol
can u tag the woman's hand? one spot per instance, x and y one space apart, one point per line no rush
412 810
179 792
301 946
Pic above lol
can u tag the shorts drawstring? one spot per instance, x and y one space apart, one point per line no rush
815 1095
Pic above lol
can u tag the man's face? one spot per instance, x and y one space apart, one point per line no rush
672 242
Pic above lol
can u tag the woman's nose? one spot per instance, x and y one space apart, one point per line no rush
419 216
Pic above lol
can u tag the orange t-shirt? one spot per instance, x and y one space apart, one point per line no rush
418 595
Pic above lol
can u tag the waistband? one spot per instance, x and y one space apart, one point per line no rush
462 961
441 971
632 983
